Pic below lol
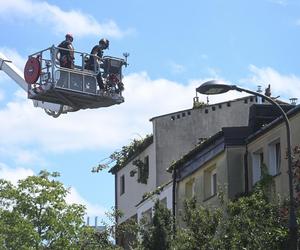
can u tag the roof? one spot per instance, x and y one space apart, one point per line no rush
185 110
139 149
205 106
292 112
230 136
156 191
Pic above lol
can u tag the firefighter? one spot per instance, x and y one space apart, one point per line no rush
97 53
66 58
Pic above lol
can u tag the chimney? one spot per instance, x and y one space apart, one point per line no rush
96 220
293 101
259 99
88 221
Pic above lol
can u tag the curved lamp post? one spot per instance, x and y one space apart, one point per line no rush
214 87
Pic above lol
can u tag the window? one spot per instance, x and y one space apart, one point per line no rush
257 163
189 189
164 202
210 182
274 158
122 184
147 218
213 182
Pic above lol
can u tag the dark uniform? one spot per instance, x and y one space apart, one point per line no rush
66 58
97 51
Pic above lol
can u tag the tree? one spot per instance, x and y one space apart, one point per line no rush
199 229
255 221
158 234
252 222
35 215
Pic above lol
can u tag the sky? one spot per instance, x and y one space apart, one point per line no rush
174 46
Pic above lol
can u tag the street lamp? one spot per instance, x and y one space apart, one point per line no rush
214 87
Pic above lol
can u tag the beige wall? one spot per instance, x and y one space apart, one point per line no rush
229 167
202 185
236 170
262 144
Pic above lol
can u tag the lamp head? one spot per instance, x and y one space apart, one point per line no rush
214 87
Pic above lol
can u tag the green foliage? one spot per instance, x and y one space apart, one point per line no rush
156 191
200 225
93 240
158 234
120 158
142 169
251 222
296 173
35 215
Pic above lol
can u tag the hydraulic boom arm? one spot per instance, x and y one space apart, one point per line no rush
15 74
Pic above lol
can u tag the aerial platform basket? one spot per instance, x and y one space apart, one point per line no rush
74 87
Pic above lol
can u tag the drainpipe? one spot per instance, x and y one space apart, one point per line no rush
174 201
246 175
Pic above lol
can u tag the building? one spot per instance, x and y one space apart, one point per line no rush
268 146
231 161
215 165
174 135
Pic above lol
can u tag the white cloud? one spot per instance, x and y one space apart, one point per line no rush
287 86
92 210
60 21
14 56
14 174
106 128
90 129
21 156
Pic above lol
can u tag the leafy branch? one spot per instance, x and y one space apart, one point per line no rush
121 157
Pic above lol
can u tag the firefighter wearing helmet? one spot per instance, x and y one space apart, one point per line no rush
97 53
66 52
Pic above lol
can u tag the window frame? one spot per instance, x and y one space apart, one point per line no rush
257 162
190 188
213 182
210 182
275 157
122 184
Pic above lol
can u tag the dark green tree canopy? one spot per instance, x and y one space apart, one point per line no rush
34 215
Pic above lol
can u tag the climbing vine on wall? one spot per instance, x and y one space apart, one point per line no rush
296 173
142 169
121 157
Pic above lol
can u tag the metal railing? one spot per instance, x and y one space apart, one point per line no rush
77 78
